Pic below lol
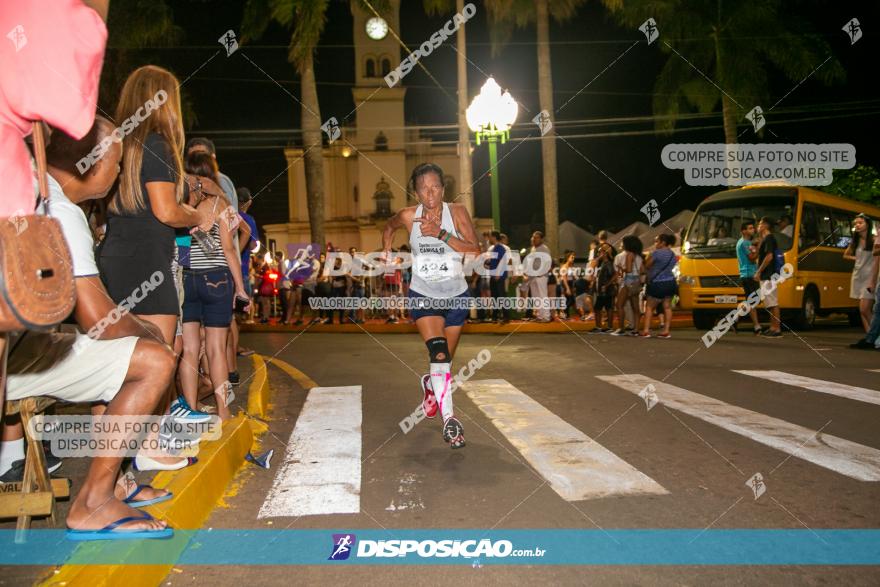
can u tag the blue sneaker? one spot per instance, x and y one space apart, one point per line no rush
181 412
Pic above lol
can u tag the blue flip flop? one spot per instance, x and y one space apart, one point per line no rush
142 503
111 531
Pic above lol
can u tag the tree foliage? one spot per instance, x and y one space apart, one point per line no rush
730 47
861 183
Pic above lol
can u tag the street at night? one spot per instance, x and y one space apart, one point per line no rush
572 445
439 292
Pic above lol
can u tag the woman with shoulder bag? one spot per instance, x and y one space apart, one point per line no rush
661 285
211 285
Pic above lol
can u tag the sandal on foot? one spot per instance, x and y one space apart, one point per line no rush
113 531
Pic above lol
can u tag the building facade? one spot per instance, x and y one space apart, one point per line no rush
366 169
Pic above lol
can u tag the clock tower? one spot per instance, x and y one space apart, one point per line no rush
367 168
376 50
379 117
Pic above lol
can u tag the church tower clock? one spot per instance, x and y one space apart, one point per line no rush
379 114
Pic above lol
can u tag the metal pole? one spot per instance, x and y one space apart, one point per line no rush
496 197
466 178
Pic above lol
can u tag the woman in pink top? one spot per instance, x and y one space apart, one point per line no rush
50 65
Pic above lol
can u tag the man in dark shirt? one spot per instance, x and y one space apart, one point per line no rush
498 279
605 286
766 269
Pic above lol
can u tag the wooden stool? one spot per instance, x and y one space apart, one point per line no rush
35 495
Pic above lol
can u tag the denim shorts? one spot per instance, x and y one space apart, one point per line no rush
660 290
207 297
452 317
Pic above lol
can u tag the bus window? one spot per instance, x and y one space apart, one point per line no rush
715 227
815 226
841 222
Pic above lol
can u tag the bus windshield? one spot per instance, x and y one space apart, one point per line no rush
716 225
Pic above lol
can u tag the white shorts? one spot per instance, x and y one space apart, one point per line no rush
771 300
69 367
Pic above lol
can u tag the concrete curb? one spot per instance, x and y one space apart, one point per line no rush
258 392
197 491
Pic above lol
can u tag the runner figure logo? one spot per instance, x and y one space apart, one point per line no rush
230 215
19 221
19 39
757 485
649 395
652 211
853 30
229 42
299 263
650 30
342 545
542 119
331 127
756 117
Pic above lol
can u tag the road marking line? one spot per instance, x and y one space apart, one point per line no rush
837 454
861 394
322 464
304 380
575 465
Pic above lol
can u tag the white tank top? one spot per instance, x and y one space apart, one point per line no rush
436 268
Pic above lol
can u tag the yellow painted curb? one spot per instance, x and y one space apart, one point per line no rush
196 491
304 380
258 392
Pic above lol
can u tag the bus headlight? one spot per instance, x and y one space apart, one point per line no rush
686 280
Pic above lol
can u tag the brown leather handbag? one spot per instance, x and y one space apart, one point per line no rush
36 272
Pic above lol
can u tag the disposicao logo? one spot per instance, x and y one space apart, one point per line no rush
342 546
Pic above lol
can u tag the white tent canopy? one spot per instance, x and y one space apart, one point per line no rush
573 237
673 225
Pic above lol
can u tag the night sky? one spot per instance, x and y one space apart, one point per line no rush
230 94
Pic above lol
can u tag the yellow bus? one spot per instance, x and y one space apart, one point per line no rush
814 233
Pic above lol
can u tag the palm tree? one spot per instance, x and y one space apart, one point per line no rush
305 19
733 44
504 16
465 172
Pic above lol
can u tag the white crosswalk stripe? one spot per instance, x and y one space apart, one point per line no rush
321 473
575 466
862 394
831 452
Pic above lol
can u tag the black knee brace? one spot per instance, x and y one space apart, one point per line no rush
438 350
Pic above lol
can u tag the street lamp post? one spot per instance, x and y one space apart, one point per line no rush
490 116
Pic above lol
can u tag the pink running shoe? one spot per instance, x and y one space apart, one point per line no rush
429 402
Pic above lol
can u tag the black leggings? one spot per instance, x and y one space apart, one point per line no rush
569 303
322 290
499 291
338 292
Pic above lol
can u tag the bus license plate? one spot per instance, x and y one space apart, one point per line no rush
725 299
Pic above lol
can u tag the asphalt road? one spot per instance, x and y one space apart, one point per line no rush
684 463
